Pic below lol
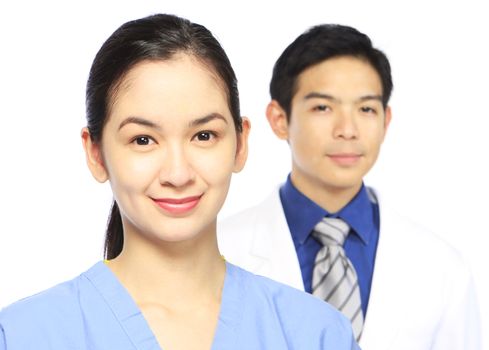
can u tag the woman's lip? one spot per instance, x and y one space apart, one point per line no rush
178 205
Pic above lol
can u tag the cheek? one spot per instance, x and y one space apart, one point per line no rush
307 139
371 130
376 137
216 165
133 170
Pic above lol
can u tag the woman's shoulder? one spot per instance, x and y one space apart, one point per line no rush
282 294
53 311
50 302
307 319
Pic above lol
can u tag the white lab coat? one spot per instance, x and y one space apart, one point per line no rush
422 293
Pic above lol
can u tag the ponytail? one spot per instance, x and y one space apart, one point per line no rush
114 236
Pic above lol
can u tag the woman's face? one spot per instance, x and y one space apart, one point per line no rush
169 148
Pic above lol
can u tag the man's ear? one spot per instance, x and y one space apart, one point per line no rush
242 148
387 119
94 157
277 118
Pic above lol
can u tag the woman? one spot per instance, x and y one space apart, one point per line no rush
164 129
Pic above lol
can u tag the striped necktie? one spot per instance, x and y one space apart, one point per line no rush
334 279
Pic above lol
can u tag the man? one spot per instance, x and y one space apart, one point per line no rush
324 231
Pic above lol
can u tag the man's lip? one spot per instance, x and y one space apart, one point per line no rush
345 159
344 155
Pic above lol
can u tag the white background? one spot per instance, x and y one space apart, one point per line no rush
433 166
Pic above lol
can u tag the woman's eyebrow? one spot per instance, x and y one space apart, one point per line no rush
206 119
139 121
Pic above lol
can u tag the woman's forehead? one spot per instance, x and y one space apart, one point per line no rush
182 86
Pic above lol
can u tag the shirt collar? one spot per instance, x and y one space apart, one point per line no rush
359 214
303 214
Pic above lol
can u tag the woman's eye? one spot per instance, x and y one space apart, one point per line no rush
204 136
143 140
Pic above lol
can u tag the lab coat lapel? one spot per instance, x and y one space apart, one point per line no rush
272 246
388 302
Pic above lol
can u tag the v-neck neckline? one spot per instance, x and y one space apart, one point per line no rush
137 329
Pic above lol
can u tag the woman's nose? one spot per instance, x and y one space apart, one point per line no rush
176 169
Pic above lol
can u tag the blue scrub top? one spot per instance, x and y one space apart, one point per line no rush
94 311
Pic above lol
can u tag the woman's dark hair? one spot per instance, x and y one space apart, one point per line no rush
154 38
321 43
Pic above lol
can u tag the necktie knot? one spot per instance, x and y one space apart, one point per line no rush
331 231
334 278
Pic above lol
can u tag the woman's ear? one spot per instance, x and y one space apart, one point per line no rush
94 157
277 118
242 148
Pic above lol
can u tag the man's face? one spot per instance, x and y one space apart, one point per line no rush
336 126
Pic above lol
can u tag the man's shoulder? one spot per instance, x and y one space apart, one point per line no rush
242 222
271 201
409 234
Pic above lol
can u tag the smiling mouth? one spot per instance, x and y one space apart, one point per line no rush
178 205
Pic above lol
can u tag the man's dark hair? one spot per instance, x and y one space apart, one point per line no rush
320 43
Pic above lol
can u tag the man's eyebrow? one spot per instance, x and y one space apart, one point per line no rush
320 95
370 97
139 121
335 99
206 119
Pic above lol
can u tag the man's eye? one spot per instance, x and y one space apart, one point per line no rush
368 110
321 108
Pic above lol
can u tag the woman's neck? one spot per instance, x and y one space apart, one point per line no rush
172 274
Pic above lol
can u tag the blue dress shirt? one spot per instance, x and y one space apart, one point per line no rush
361 213
94 311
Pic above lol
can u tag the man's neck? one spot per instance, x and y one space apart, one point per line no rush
330 198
